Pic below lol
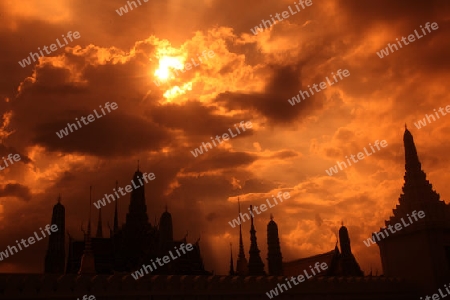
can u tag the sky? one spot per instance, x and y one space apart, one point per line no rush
163 115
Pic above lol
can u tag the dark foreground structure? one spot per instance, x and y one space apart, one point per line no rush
190 287
416 260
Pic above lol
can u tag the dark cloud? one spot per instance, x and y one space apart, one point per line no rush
16 190
105 137
5 151
273 103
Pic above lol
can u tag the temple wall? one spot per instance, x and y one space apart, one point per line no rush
120 287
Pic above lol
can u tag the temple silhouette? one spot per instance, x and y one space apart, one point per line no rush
340 263
415 260
126 249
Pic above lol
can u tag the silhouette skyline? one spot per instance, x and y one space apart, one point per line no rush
328 48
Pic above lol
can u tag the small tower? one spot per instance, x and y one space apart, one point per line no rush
241 264
87 266
165 231
274 257
255 264
56 251
231 272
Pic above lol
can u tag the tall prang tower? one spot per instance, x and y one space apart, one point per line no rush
136 239
137 217
56 252
274 258
255 264
420 251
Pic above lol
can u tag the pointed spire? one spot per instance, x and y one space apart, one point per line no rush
255 264
417 190
59 198
231 272
271 217
241 264
412 163
116 218
138 165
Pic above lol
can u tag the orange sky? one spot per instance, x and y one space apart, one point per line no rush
249 78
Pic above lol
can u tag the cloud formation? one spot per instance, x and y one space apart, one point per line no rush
249 78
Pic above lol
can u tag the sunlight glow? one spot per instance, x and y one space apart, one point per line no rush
176 91
166 63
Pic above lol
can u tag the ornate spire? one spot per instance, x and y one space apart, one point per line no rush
255 264
116 218
241 264
418 193
87 260
231 272
412 164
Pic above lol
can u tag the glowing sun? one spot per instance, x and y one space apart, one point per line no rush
166 63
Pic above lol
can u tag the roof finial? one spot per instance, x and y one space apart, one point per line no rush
138 165
59 198
166 207
271 217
